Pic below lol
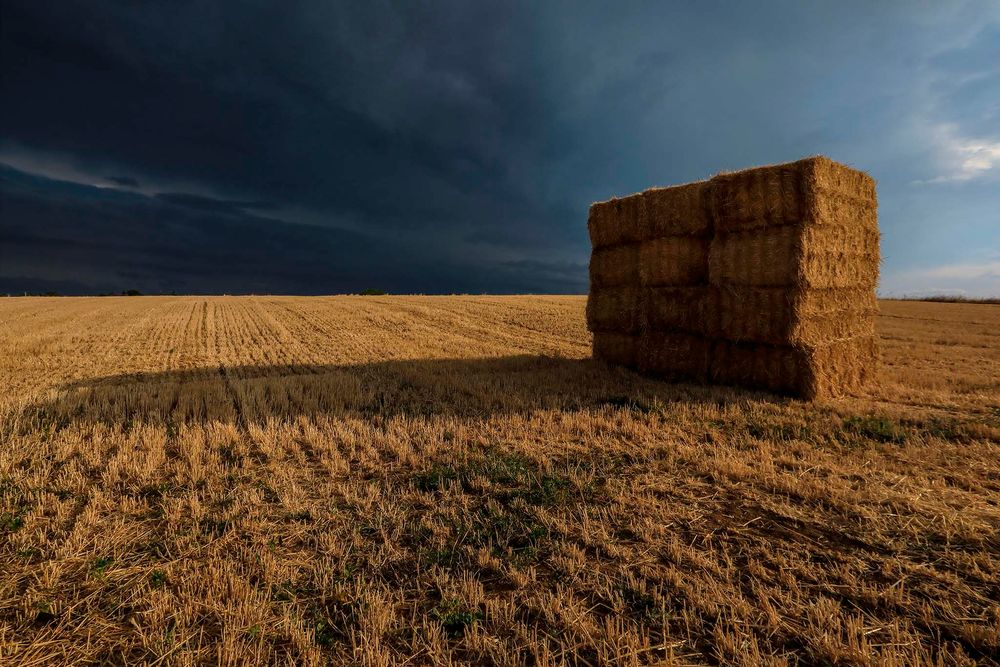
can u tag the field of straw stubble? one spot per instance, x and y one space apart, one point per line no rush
376 480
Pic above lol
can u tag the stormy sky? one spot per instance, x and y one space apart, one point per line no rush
316 147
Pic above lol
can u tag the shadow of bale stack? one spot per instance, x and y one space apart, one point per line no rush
762 278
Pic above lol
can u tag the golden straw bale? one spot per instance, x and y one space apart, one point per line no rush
614 309
757 197
823 371
673 211
783 316
778 369
675 260
844 368
815 190
616 348
615 266
839 210
679 309
614 222
820 173
819 257
674 356
758 257
763 277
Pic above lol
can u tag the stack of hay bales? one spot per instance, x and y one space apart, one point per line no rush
763 278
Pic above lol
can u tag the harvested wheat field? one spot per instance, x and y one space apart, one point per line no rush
439 480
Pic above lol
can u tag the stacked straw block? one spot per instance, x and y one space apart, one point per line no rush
764 278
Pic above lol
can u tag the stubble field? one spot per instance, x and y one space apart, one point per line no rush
438 480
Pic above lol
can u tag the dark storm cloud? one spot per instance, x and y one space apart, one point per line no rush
391 115
78 239
395 120
123 181
461 143
202 203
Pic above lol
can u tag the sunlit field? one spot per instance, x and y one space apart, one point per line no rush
440 480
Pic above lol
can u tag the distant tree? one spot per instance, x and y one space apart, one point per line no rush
373 292
131 292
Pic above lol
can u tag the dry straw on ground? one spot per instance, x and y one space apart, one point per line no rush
778 263
453 480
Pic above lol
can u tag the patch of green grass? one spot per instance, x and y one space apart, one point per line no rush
632 404
157 579
640 605
876 428
503 469
213 527
302 515
11 521
446 557
283 592
30 553
455 617
171 429
332 621
779 432
324 632
44 614
500 469
506 532
436 478
946 429
550 490
102 563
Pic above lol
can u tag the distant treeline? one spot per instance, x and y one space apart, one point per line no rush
944 298
128 292
134 292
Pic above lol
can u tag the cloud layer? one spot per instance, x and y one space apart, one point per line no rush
312 147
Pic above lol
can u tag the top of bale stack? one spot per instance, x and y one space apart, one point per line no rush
814 190
614 222
677 210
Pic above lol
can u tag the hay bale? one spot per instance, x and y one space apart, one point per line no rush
823 371
843 368
774 368
615 266
674 211
792 317
614 309
757 197
674 260
616 348
679 309
762 278
614 222
817 257
815 190
674 356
